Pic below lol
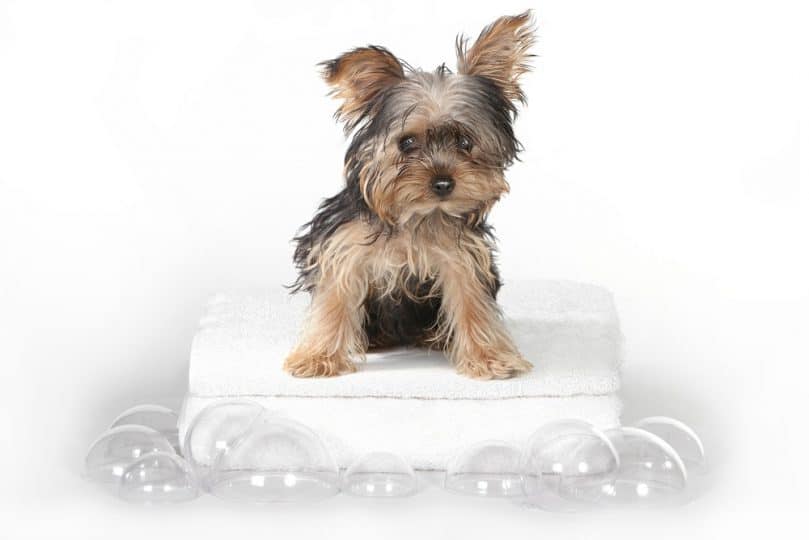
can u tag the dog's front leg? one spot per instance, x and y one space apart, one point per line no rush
479 345
333 332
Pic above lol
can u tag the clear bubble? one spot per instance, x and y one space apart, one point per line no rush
276 460
214 429
157 417
487 469
650 471
565 464
379 474
682 438
158 478
119 447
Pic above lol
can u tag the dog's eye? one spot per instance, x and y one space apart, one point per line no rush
464 143
407 143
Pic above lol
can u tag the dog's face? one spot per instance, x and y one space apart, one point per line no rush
433 141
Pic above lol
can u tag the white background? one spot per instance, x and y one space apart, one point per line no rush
152 153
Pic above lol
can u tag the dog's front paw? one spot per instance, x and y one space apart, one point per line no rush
493 365
305 363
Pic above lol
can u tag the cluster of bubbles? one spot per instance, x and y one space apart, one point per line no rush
570 465
239 451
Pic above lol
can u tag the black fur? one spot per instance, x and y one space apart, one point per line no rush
401 320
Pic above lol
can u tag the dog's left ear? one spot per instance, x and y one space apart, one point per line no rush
359 78
500 53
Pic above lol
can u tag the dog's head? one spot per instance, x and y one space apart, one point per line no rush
433 141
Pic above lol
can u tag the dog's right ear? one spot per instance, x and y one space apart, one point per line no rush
359 78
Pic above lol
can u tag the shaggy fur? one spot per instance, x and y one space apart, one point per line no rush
403 254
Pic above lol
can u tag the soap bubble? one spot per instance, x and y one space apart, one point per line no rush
565 463
157 417
379 474
119 447
650 472
214 429
487 469
277 459
682 438
158 478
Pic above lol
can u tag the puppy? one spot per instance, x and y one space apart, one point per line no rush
403 254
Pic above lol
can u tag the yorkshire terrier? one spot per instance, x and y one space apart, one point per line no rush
403 256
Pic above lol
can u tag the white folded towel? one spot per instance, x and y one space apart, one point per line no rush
411 401
569 331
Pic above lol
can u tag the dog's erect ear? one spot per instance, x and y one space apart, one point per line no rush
359 78
500 53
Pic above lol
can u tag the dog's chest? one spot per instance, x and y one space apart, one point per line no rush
401 257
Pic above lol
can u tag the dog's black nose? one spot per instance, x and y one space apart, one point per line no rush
442 185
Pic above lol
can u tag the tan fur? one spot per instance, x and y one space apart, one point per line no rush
500 53
333 332
358 76
357 259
